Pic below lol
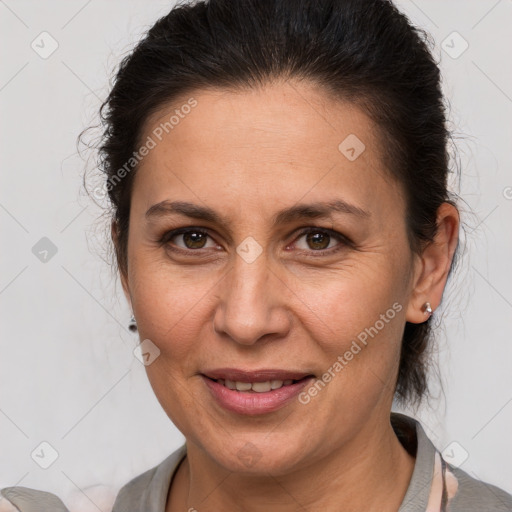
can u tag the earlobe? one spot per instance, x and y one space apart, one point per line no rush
421 314
434 266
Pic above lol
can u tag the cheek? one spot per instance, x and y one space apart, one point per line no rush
171 312
356 318
170 305
357 332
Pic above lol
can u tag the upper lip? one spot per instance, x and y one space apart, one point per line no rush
262 375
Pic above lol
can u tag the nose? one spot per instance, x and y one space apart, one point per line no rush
253 303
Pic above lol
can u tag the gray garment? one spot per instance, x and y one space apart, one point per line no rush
434 483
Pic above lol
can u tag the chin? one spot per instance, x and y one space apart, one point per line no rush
258 455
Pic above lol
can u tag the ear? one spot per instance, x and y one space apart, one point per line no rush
123 277
433 265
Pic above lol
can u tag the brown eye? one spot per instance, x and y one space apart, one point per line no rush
321 241
194 239
318 240
186 239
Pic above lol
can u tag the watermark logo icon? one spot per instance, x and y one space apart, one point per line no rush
352 147
454 45
44 455
249 250
455 454
44 45
44 250
146 352
249 454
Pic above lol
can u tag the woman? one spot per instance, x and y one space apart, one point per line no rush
284 233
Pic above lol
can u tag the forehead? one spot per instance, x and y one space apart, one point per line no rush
272 145
277 115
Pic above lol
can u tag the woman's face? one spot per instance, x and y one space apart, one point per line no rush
255 292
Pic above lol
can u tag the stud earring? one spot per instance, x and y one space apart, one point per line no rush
132 326
427 308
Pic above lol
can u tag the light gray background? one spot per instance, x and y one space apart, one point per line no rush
68 375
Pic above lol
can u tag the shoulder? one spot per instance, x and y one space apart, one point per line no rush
454 490
26 499
437 485
148 491
471 494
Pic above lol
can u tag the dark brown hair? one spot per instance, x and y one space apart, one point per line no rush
363 51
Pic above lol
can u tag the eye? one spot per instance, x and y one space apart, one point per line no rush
320 240
190 238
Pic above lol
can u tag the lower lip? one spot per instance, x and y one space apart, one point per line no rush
253 403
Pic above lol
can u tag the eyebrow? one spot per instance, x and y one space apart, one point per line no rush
301 211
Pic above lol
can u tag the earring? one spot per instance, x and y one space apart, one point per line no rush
427 308
132 326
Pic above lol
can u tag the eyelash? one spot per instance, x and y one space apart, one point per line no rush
344 241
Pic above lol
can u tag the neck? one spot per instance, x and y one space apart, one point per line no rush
371 473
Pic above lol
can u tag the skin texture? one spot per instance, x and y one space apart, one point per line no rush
248 155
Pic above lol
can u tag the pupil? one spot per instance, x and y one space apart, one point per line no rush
195 238
317 238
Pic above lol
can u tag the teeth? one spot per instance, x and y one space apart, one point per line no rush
229 384
258 387
261 387
276 384
243 386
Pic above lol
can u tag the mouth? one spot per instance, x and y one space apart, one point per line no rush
255 392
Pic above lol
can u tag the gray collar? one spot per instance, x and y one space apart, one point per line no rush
149 490
416 497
